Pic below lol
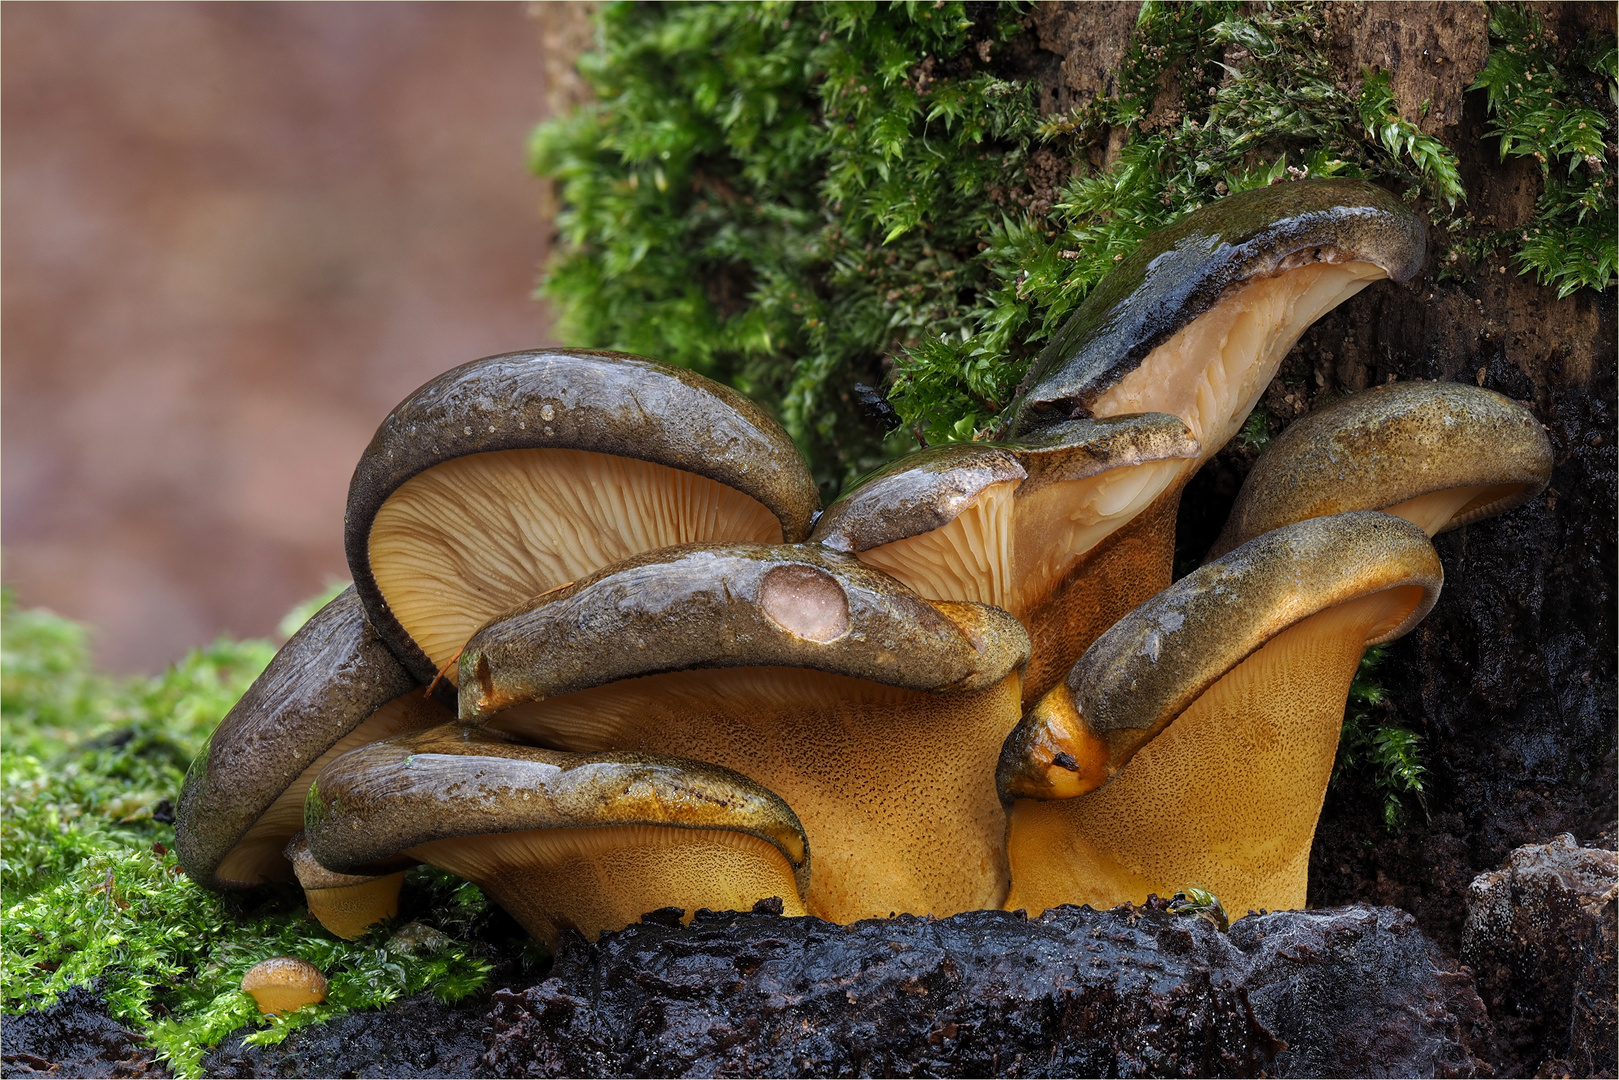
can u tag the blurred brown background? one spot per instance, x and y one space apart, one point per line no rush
234 236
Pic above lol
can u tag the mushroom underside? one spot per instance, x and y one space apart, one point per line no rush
606 877
462 542
259 857
1013 551
895 787
1441 511
1227 796
1213 371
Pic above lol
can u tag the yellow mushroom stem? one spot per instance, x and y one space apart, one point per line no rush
1433 511
895 788
1226 797
1212 372
350 910
607 877
460 543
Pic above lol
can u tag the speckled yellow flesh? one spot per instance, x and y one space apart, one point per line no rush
895 788
350 910
462 542
259 858
1227 797
1212 373
606 878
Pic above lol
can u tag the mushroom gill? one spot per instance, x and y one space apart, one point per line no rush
876 714
332 687
1192 743
1440 455
1196 320
516 474
561 841
1050 528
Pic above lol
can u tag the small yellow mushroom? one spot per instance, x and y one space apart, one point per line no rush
346 904
284 984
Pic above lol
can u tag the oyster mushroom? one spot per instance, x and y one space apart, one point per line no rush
1196 320
346 904
561 841
515 474
1049 528
1192 743
876 714
1441 455
332 687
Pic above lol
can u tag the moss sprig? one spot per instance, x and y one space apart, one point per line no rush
1559 110
1374 743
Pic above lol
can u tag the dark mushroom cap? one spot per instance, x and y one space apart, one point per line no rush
331 677
737 605
473 787
597 403
1392 444
1181 272
1152 664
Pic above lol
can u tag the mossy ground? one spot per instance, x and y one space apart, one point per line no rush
856 214
89 885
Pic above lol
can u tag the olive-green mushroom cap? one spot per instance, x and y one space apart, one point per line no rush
735 605
1149 666
331 676
376 802
928 489
1386 446
1181 272
596 402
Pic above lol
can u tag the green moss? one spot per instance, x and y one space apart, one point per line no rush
1557 109
800 199
89 887
1374 744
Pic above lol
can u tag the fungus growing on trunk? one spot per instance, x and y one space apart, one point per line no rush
561 841
332 687
1196 320
1192 743
876 714
516 474
1046 528
1441 455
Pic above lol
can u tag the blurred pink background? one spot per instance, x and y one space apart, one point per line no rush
234 236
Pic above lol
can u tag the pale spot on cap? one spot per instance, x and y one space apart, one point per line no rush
805 601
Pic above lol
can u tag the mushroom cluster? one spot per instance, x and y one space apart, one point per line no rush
605 654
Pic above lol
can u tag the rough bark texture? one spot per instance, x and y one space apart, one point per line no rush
1129 992
1540 934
